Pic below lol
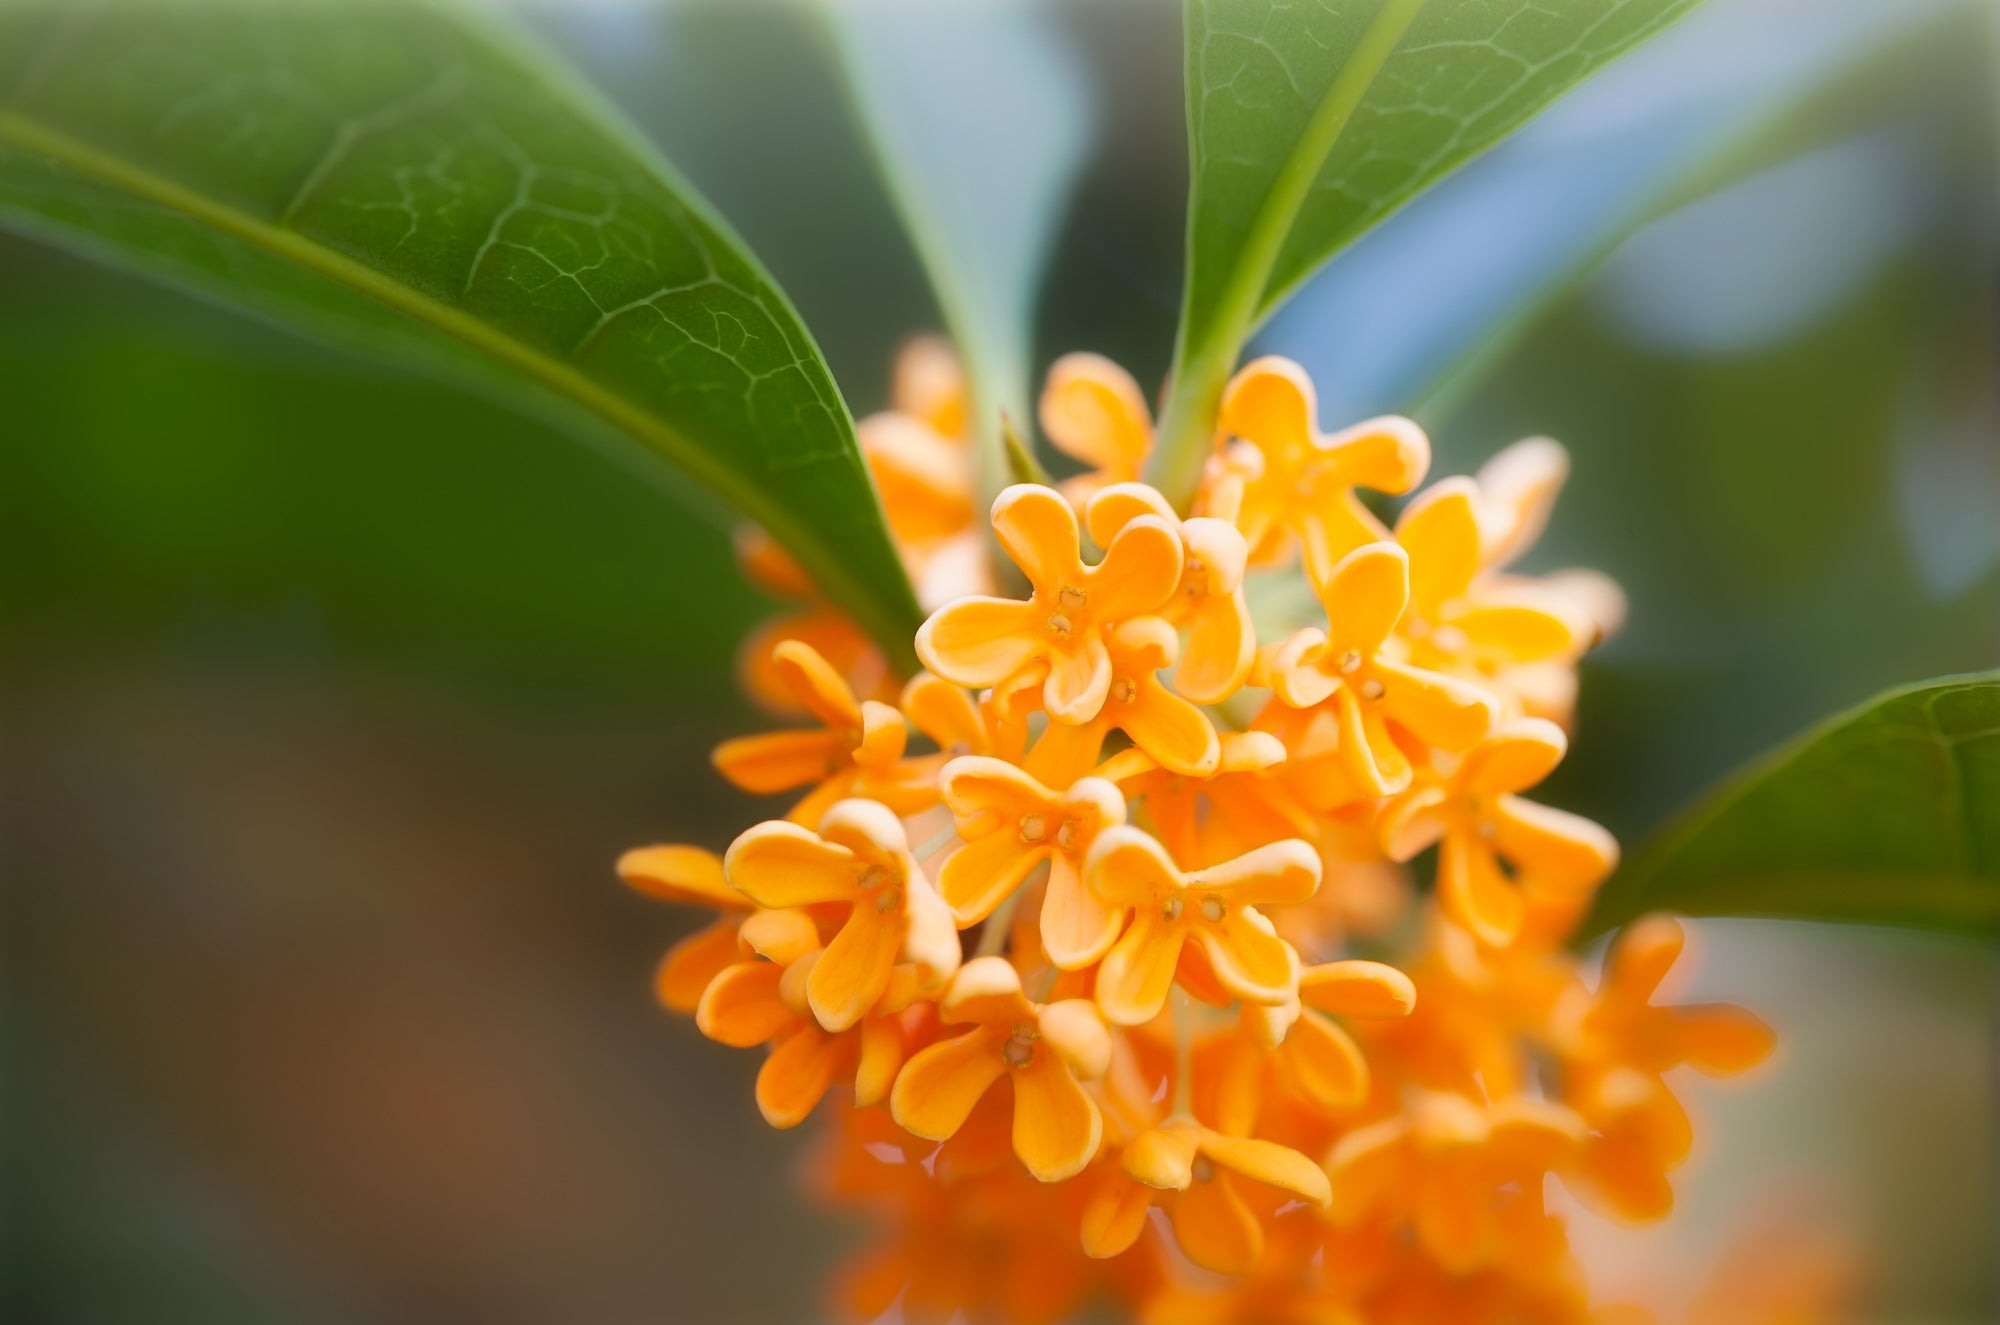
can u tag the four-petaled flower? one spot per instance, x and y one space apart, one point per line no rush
979 641
1041 1050
1550 855
861 859
1011 823
1216 908
1352 666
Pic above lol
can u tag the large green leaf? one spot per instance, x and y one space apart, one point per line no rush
1308 124
412 178
1887 814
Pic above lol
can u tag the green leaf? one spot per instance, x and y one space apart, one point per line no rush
1887 814
980 118
1307 125
412 178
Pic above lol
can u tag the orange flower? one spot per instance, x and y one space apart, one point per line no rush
1437 1167
1093 411
1210 605
1313 1055
1464 621
1474 813
1190 1170
688 876
858 750
978 641
1621 1024
859 859
1299 482
766 1002
1170 730
1216 908
1011 823
1043 1051
1350 667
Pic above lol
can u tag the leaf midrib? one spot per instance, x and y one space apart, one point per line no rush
21 131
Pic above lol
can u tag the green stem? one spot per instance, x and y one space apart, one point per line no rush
1202 367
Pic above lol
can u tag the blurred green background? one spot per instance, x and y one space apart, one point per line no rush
330 693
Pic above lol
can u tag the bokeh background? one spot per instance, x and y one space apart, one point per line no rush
330 693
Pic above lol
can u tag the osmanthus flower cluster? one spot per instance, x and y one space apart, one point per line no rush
1097 937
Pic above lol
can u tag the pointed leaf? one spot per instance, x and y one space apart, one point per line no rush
413 178
1888 814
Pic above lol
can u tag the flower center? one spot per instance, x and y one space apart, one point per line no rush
1372 689
1212 909
1019 1050
1066 835
1034 827
1059 625
1170 909
1204 1168
1350 662
1072 598
1124 690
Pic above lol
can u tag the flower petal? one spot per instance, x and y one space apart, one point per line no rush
741 1006
819 689
796 1076
1356 988
854 970
978 876
1474 892
1389 454
1222 643
1074 1029
1518 754
782 935
1079 679
1215 1228
1284 871
1115 1216
1440 531
1368 1167
1133 981
1518 488
1057 1127
1640 958
946 713
1077 926
930 935
883 1052
1325 1064
1163 1157
780 864
687 875
1248 957
1091 409
1116 505
981 641
1552 848
1437 709
1364 598
936 1090
1269 1163
684 973
771 762
1037 528
1174 732
923 478
1524 624
987 989
1140 572
1720 1039
1369 756
1127 867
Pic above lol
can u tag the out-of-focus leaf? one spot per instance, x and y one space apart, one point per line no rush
1411 316
980 118
1888 814
323 163
1309 124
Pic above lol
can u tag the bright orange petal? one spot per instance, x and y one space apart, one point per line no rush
1116 505
1518 754
1722 1040
1551 847
1439 710
1115 1216
1269 1163
944 712
978 876
1077 926
1133 981
1221 645
819 689
1474 892
771 762
883 1052
1174 732
1285 871
936 1090
981 641
741 1006
1518 487
1440 531
1140 572
1038 530
1358 988
1079 679
1248 957
1325 1063
1524 624
687 875
1091 409
1074 1030
684 973
779 864
854 970
1057 1127
1215 1228
796 1076
1364 599
1126 867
